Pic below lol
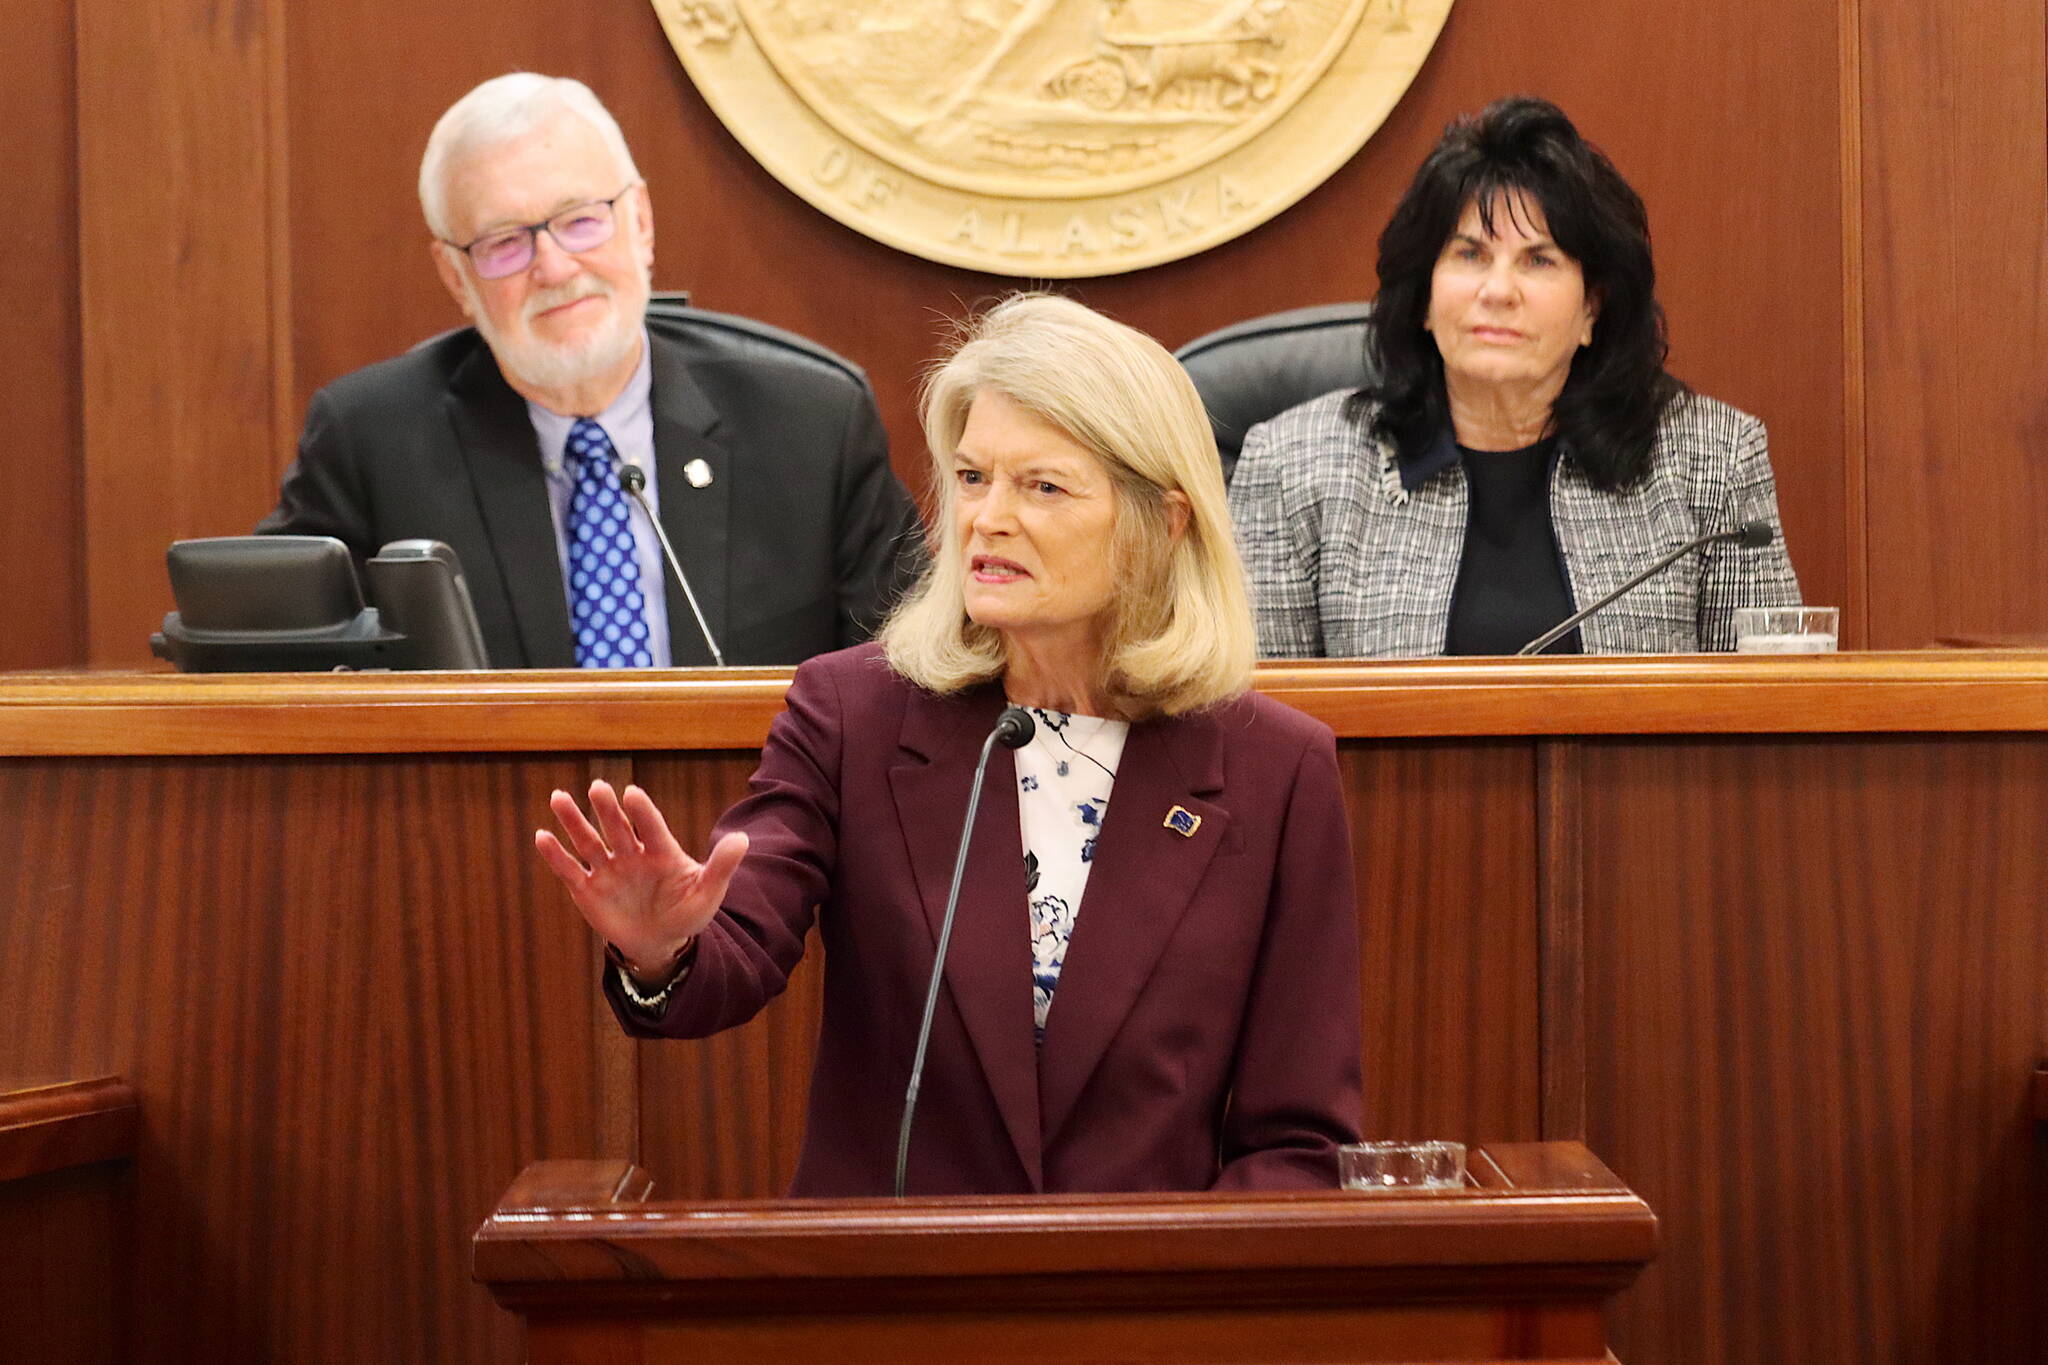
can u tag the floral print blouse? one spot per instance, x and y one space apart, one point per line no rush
1063 779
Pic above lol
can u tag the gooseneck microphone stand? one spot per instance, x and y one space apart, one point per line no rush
1013 730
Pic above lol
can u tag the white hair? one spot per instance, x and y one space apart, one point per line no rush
501 110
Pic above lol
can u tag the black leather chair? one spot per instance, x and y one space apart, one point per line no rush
674 306
1250 371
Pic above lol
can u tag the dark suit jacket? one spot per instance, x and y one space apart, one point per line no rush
797 546
1205 1031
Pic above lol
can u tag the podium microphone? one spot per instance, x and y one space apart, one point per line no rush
1013 731
634 481
1751 535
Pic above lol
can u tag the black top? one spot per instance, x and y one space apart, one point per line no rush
1511 585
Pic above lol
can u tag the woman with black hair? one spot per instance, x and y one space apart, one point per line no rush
1520 449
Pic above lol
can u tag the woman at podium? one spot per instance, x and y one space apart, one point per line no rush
1152 978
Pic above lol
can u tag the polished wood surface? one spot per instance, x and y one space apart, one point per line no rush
1765 968
42 532
182 300
1819 179
1515 1264
1447 939
1849 987
708 709
60 1124
1955 165
65 1220
352 1011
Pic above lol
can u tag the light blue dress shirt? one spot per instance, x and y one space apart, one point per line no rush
629 421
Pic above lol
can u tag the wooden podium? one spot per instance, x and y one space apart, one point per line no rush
1516 1266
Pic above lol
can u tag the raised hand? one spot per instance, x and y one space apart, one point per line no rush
630 877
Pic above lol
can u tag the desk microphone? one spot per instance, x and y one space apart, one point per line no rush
1751 535
634 481
1013 731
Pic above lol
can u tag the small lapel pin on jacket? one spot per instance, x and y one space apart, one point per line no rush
698 474
1183 823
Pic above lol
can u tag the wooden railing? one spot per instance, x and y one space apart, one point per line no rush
698 709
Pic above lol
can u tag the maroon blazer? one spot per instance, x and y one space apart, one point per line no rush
1205 1031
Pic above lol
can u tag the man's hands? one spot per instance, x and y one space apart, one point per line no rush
632 880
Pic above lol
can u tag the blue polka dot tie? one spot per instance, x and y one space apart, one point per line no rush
605 605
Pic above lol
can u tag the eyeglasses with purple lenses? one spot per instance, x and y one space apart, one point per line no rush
576 229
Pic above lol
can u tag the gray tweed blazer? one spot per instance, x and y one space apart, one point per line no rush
1345 559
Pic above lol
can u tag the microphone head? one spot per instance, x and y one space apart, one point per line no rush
631 477
1754 535
1015 727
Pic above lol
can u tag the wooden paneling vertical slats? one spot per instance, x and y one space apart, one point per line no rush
41 533
64 1266
1561 937
1980 1014
350 1008
1855 622
178 290
1813 1011
1956 318
1448 941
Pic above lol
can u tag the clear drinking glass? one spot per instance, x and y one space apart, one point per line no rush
1401 1166
1787 630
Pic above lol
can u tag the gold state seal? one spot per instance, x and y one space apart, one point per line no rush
1052 138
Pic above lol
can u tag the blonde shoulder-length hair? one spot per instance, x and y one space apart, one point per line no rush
1180 637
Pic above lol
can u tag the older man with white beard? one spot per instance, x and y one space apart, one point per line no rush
762 454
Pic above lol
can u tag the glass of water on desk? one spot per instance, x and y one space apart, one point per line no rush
1401 1167
1787 630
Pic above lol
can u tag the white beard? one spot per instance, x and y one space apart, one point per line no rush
552 365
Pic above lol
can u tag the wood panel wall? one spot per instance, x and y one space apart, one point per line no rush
1847 202
64 1253
1790 984
353 1014
1811 1014
1955 333
42 551
180 292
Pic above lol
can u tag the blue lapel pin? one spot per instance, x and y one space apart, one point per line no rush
1183 822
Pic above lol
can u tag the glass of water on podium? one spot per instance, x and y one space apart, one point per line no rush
1787 630
1401 1167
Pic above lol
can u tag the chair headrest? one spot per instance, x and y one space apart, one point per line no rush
1251 371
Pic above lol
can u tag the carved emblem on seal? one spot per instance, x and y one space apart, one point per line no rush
1052 138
